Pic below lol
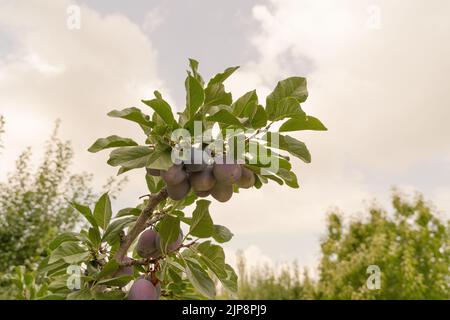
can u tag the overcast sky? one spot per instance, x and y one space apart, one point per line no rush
377 73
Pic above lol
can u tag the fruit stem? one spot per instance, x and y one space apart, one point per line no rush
140 224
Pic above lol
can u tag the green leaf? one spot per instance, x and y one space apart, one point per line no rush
86 212
200 280
216 95
117 281
307 123
111 142
135 115
108 269
116 294
222 234
289 144
242 103
285 108
201 225
169 231
294 87
225 117
130 157
76 258
83 294
259 119
289 178
68 250
230 282
213 256
53 297
51 268
161 160
195 95
64 237
102 211
112 232
129 212
274 178
154 184
221 77
194 67
94 236
162 108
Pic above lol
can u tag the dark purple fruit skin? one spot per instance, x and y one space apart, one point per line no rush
196 163
227 172
124 271
174 175
247 179
178 191
153 172
174 245
146 246
143 289
222 192
203 180
202 194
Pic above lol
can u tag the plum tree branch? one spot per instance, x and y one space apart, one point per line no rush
146 261
155 218
140 224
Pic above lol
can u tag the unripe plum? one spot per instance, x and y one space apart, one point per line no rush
178 191
222 192
174 175
146 246
203 180
247 179
143 289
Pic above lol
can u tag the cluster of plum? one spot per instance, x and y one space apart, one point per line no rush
215 179
148 246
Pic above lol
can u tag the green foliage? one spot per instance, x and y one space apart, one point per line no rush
270 283
409 245
33 204
187 266
35 213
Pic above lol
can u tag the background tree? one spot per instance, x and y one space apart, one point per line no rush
410 245
34 206
2 130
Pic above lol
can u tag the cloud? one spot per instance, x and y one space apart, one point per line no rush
78 76
379 89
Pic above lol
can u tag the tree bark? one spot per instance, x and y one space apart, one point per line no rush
140 224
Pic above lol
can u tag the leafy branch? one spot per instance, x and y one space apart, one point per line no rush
162 257
140 224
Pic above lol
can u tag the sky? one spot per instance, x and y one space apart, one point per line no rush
377 75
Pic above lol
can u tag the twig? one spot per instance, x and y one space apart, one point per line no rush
140 224
156 217
147 261
265 129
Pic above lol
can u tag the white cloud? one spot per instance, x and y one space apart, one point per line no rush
78 76
381 93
